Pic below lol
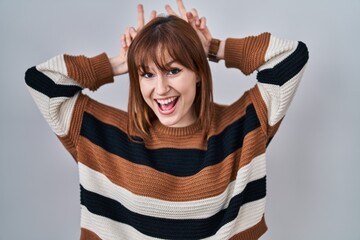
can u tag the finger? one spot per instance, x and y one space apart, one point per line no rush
194 12
182 9
152 15
127 37
169 10
205 31
123 41
202 23
132 33
190 16
196 16
140 19
191 19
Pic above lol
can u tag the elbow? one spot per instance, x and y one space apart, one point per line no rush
29 76
303 53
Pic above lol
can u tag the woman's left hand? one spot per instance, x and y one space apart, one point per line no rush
192 17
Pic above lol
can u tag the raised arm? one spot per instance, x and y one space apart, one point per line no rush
55 86
280 65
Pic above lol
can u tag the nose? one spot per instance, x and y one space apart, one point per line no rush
162 85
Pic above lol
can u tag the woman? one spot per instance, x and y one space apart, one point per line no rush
175 165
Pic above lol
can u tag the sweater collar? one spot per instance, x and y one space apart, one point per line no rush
176 131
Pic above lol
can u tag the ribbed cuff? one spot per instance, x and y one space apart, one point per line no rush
102 69
246 54
234 52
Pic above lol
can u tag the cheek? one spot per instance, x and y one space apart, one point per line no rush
145 92
189 90
143 89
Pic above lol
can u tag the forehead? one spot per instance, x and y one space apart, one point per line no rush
159 58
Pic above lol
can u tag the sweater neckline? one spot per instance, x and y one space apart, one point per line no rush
176 131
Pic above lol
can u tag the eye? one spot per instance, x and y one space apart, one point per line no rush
147 75
174 71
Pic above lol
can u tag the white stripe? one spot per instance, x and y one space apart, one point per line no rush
108 229
278 50
98 183
278 98
56 70
56 111
56 65
249 215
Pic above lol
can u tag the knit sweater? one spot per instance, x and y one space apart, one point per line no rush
178 185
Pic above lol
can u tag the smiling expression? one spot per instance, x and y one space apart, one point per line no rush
170 93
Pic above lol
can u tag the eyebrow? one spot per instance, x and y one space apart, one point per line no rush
171 62
166 64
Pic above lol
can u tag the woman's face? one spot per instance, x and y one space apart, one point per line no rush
170 94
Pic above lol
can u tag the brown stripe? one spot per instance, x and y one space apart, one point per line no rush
261 111
246 54
89 72
260 108
70 141
226 115
195 141
86 234
145 181
273 129
108 114
253 233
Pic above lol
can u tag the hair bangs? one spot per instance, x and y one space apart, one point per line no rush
162 50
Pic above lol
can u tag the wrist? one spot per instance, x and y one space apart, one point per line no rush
221 52
213 50
216 50
102 70
118 67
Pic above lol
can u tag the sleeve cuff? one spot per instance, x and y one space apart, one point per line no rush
102 70
246 54
234 52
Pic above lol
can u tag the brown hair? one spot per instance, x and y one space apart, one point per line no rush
170 36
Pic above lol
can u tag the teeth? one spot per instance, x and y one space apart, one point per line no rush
166 101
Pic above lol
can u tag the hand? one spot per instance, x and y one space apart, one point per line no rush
119 63
192 17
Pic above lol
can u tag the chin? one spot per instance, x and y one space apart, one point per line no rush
168 122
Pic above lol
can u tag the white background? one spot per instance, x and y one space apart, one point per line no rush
313 162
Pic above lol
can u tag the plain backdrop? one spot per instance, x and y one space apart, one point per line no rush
313 162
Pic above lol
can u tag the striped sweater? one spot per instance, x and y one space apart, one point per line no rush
179 185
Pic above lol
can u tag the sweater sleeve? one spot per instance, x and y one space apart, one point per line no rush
280 65
56 85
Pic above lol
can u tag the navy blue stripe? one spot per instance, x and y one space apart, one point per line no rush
287 69
42 83
177 162
269 141
171 228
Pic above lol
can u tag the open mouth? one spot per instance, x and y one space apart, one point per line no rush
167 106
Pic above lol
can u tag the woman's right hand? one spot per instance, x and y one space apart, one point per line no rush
119 62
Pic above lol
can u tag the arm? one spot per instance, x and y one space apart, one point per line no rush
280 65
55 86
